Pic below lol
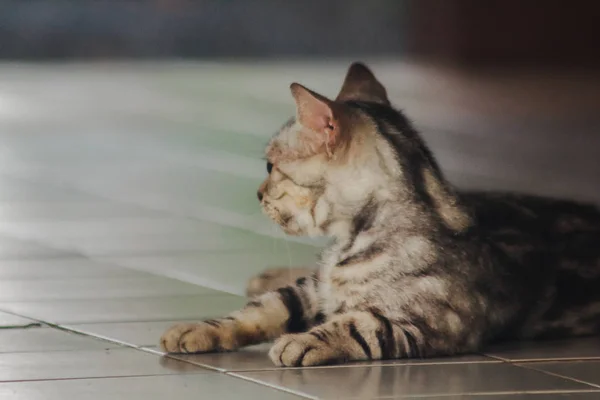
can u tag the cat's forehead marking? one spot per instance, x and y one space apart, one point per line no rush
283 141
289 123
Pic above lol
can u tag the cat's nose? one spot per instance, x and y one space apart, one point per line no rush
259 195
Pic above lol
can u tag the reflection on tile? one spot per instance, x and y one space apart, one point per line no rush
127 309
171 185
107 227
226 271
586 395
143 244
47 339
133 333
256 358
83 364
96 288
131 236
15 248
14 321
26 211
412 380
197 386
586 371
579 348
17 190
249 358
73 267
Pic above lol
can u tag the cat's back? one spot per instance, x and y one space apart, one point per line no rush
561 232
546 218
556 246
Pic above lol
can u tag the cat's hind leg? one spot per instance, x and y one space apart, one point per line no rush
289 309
275 278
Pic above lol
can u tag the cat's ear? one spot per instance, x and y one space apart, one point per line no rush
316 113
360 84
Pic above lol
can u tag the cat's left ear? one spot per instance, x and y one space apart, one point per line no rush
318 114
360 84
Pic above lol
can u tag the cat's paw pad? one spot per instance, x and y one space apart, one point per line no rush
302 350
191 338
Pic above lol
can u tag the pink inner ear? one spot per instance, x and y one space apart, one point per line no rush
313 110
316 120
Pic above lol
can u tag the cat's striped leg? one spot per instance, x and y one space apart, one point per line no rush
359 336
290 309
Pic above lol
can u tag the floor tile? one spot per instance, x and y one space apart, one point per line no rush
126 309
247 359
47 339
586 371
84 364
412 380
194 386
133 333
65 268
96 288
15 248
9 321
579 348
256 358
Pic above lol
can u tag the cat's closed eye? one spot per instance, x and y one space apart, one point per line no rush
269 167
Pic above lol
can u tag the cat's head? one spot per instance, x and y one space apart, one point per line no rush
337 160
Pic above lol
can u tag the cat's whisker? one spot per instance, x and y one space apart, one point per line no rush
274 239
289 253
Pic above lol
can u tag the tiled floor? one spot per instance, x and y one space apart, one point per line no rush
127 203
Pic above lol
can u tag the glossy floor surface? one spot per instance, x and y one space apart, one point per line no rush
127 203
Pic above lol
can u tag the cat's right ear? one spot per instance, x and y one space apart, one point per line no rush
360 84
316 112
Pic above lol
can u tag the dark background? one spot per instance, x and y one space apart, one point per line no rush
462 32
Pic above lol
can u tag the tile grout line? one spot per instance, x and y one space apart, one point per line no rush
491 395
526 366
91 377
279 388
224 372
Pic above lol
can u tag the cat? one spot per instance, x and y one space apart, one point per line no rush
416 268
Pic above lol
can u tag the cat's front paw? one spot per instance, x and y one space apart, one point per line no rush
191 338
304 350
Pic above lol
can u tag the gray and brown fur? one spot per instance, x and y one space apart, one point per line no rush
416 268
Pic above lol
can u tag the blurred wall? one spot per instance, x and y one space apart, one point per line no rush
202 28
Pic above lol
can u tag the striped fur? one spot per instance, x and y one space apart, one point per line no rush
416 268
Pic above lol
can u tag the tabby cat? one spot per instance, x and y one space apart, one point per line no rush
415 268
